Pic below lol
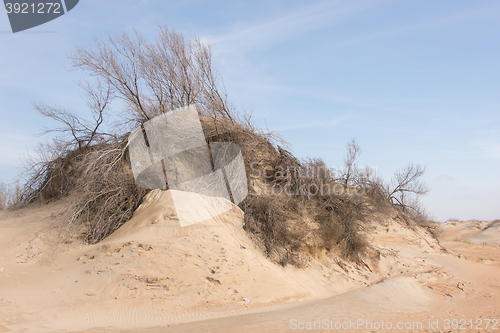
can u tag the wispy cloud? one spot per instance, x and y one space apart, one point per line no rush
443 178
290 24
435 23
327 13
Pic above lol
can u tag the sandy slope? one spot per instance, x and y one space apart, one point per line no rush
490 235
152 275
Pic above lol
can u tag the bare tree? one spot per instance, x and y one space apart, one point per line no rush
81 132
155 77
402 192
406 186
350 172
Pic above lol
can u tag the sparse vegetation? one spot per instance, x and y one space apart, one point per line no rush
3 197
403 191
313 212
9 195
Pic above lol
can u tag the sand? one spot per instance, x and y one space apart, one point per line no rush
152 275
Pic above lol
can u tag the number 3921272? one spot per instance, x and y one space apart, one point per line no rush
39 8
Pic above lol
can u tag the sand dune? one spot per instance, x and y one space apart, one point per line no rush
456 230
490 235
152 274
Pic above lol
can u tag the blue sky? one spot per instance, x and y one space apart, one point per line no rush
412 81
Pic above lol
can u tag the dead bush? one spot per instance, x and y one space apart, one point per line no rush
269 219
341 218
282 222
52 176
101 185
105 196
258 147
